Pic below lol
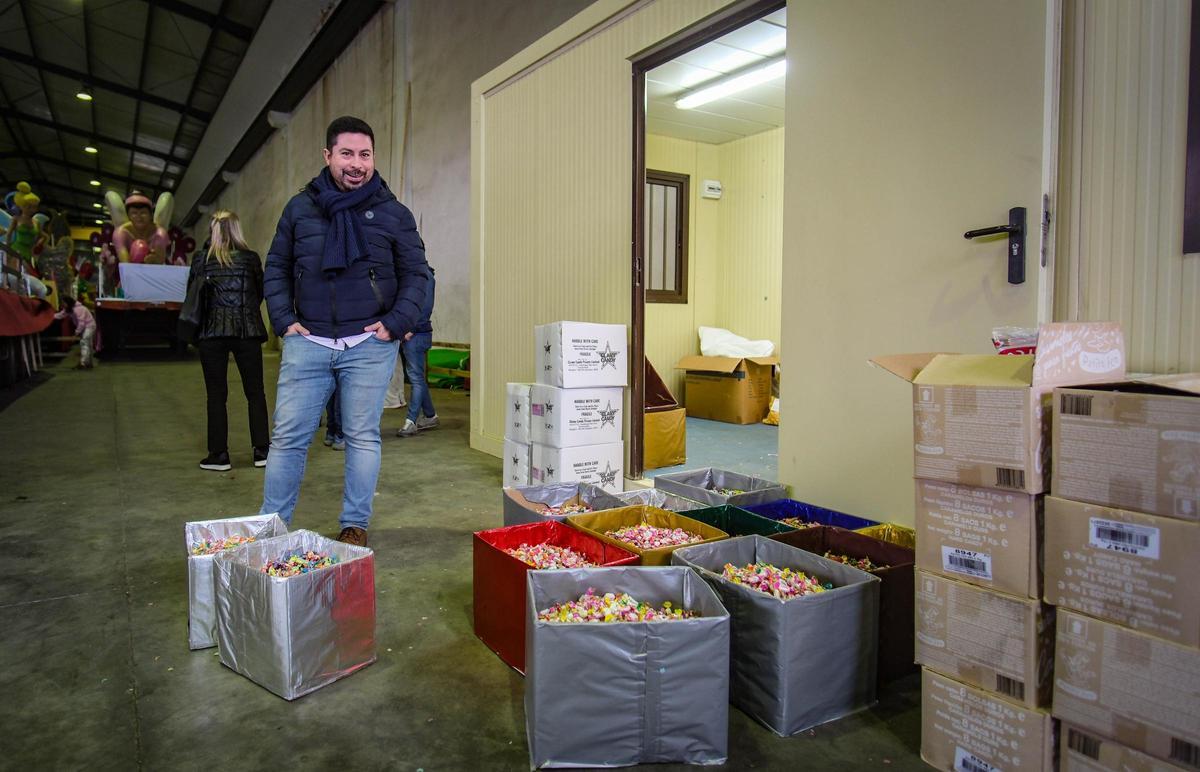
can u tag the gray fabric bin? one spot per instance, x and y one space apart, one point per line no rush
701 484
202 603
800 662
653 497
521 501
612 695
294 635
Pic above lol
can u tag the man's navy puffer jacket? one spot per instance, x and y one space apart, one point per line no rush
387 285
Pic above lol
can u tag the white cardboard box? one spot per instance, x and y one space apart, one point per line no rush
516 413
577 354
565 418
600 465
516 462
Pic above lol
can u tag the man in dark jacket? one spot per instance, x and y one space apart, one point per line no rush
344 282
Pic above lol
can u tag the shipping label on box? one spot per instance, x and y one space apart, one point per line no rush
983 536
1140 690
1081 750
517 456
964 729
577 354
565 418
983 420
1134 445
1138 570
516 412
600 465
992 640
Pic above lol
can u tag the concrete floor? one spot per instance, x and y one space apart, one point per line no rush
750 449
98 476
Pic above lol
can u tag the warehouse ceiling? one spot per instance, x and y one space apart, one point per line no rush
739 115
156 71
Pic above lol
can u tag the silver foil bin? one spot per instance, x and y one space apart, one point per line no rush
525 503
294 635
622 693
653 497
202 603
800 662
702 484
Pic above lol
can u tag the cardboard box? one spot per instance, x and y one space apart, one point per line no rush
1134 569
964 729
1134 445
984 536
577 354
601 465
895 574
800 662
531 503
566 418
498 579
664 425
598 524
997 642
516 412
737 391
607 695
983 420
1081 750
517 458
1142 691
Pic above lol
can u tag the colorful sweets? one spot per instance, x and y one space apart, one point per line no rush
213 546
542 556
651 537
782 583
299 563
798 522
729 491
612 607
862 564
569 508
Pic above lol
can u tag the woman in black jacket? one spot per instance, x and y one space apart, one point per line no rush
231 323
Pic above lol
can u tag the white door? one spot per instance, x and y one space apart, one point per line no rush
908 123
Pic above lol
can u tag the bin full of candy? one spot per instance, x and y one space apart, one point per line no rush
652 537
213 546
799 522
299 563
862 564
568 508
549 556
782 583
612 607
715 487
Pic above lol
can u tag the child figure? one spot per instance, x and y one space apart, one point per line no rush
85 327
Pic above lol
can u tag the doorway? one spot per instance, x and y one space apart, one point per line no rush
707 235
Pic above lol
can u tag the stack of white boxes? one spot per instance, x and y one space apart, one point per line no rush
518 445
576 407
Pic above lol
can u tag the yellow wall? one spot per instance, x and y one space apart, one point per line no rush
1123 149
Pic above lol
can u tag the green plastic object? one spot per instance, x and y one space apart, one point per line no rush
738 522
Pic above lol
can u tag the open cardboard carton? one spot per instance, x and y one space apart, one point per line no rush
983 419
731 389
664 429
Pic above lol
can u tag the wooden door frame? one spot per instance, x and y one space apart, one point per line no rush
704 31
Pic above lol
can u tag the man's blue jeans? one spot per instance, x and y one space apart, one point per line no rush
416 351
307 375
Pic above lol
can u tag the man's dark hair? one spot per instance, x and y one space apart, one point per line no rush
347 124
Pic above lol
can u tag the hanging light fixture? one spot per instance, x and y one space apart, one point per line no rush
84 93
97 205
94 183
734 83
89 148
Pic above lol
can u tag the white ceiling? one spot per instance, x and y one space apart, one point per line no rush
748 112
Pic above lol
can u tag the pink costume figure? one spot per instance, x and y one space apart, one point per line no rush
139 228
85 327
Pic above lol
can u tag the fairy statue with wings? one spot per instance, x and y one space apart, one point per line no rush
140 228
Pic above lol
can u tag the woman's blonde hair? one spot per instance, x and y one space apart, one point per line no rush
226 237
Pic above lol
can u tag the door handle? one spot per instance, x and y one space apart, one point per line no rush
1016 242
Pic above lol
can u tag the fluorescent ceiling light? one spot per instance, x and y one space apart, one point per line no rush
94 183
90 149
732 85
99 222
83 94
97 205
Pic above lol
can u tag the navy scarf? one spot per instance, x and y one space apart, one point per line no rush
345 242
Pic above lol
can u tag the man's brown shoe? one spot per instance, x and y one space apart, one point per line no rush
354 536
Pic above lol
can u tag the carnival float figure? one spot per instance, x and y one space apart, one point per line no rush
24 232
139 227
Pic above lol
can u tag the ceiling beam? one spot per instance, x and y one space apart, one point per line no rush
208 47
91 135
141 84
148 185
216 21
62 145
107 85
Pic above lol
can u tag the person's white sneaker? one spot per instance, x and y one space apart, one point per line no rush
408 430
424 423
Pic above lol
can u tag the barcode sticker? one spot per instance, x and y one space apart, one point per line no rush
1010 687
960 561
1081 743
969 762
1010 478
1126 538
1185 752
1075 404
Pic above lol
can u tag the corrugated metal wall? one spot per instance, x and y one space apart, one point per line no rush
1120 208
552 219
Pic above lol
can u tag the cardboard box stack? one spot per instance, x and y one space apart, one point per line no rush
1122 542
518 447
981 440
575 408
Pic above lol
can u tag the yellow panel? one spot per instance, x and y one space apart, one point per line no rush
1120 203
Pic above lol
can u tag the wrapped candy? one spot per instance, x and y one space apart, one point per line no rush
782 583
213 546
297 563
546 556
799 522
729 491
651 537
567 508
862 564
612 607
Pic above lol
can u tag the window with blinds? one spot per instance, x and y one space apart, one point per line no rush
666 237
